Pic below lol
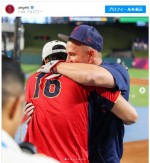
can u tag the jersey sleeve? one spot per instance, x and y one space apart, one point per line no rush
121 77
106 98
29 88
27 92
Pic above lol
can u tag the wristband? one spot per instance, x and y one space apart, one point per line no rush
54 70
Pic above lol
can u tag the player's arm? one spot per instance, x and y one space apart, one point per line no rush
125 111
87 74
112 101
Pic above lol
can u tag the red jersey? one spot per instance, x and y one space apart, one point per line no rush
60 123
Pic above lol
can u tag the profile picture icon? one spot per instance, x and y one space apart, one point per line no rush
9 9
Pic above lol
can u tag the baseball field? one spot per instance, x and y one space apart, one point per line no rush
137 151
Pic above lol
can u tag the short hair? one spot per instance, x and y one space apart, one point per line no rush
12 79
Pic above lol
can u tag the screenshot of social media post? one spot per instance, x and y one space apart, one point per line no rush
75 83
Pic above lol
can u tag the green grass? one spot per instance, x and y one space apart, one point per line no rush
29 69
138 73
136 98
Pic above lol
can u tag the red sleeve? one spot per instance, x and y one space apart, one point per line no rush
106 98
27 93
29 87
109 94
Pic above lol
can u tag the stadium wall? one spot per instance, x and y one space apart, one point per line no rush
117 35
141 63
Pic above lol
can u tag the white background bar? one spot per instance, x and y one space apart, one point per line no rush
59 8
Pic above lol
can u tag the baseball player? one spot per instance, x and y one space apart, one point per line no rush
61 122
84 46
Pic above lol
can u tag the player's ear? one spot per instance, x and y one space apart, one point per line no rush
13 107
91 53
16 105
46 60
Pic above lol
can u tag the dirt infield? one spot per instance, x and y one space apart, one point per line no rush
135 152
135 81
